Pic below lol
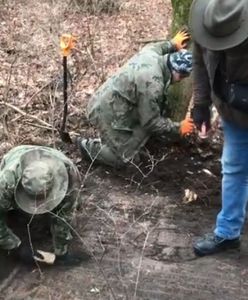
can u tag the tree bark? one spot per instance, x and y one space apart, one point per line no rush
180 13
180 94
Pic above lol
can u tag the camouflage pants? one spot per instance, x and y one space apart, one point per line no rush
116 148
8 240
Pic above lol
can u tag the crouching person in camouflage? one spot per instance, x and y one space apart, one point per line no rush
39 180
130 106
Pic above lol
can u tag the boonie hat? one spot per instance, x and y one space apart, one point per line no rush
43 182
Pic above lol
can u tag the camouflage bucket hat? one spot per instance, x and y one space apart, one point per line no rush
181 61
43 182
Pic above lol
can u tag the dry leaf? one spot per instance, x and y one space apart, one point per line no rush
189 196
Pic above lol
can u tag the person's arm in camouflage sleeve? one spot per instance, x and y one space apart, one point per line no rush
8 240
179 41
64 214
160 48
150 114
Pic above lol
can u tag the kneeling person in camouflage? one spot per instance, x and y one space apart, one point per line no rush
130 106
39 180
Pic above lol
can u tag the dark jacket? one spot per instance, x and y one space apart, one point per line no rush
233 64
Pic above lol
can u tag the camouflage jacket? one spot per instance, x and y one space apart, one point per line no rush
60 217
136 95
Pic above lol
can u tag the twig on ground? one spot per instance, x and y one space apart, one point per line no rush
148 210
6 94
30 294
91 253
27 81
93 62
153 163
140 263
25 114
37 93
52 110
31 244
16 119
5 98
91 164
9 279
5 125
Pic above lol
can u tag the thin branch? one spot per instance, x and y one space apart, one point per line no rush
31 244
6 94
140 263
93 62
37 93
25 114
39 126
30 294
5 98
83 243
153 163
101 76
9 279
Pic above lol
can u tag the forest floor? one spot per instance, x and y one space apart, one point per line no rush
136 222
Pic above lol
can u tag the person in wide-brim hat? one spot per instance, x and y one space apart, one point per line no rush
219 24
40 180
220 78
43 182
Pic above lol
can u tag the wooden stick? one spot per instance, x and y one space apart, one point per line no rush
25 114
40 126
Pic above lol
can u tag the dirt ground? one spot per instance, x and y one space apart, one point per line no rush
137 223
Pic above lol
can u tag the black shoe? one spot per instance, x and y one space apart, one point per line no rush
81 144
211 244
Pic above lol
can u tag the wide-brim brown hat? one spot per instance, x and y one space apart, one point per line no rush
219 24
56 193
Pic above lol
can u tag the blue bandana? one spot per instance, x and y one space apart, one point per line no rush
181 61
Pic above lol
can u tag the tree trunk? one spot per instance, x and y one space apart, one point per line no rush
180 13
180 94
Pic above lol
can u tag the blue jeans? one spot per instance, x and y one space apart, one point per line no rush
234 182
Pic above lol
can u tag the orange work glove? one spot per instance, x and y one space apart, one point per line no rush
67 42
187 126
180 40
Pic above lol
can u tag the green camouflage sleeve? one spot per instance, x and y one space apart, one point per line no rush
63 216
150 112
162 126
160 48
8 240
